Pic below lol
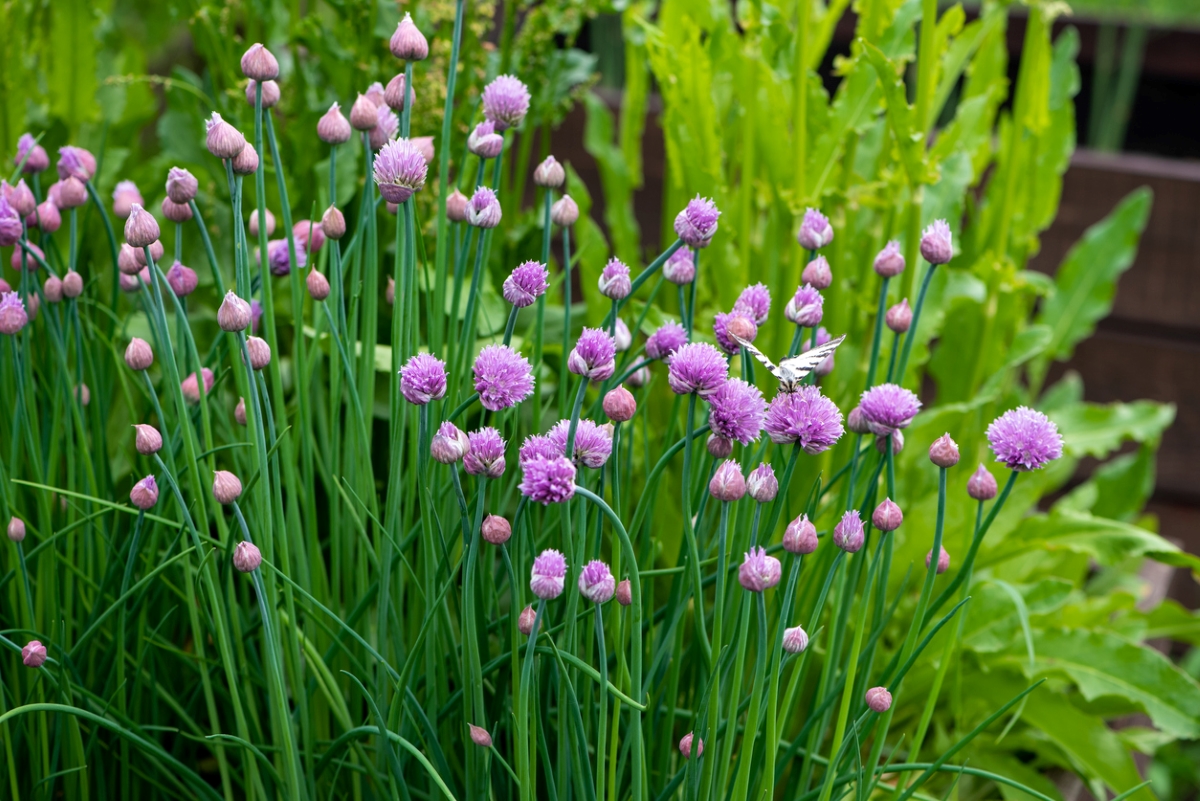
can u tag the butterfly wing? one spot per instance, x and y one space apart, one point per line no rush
758 354
805 363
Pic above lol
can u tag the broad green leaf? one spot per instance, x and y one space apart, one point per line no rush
1102 664
1090 429
1087 279
1170 619
1124 484
1109 542
900 114
993 621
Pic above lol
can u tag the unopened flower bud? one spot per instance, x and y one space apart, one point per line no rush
937 247
176 212
624 593
258 64
944 452
564 212
817 273
234 313
181 185
254 227
260 352
887 516
139 355
71 193
890 261
719 447
641 377
239 412
363 114
982 485
141 229
270 93
333 223
52 289
47 217
761 484
33 654
848 533
620 405
526 620
227 487
408 43
456 206
144 493
549 174
147 440
156 253
728 484
182 280
815 231
72 284
333 128
685 745
223 140
480 736
795 640
496 530
16 529
897 440
245 162
943 562
390 293
246 557
800 536
879 699
449 444
899 317
318 285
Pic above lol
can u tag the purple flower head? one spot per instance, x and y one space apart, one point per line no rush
697 367
548 574
400 170
37 159
539 445
697 223
483 209
762 484
758 571
73 164
594 355
805 417
614 280
526 283
1024 439
818 273
449 444
486 456
596 582
423 379
806 307
279 257
736 411
890 261
815 230
667 338
593 443
484 141
10 224
13 316
800 536
937 245
503 377
728 484
755 300
387 125
848 533
680 267
737 322
887 408
505 102
548 481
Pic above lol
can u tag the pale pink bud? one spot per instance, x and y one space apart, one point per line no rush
619 405
333 128
456 206
176 212
147 440
719 447
795 640
72 284
899 317
227 487
259 65
408 43
944 452
564 212
333 223
363 114
943 562
16 529
254 227
982 485
71 193
223 140
890 261
496 530
239 412
139 355
887 516
144 493
247 557
156 253
817 273
480 736
685 745
624 593
234 313
879 699
549 174
127 261
245 162
53 289
526 620
181 185
936 243
800 536
728 484
33 654
395 95
260 352
318 285
141 229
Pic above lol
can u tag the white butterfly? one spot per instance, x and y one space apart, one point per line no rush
792 371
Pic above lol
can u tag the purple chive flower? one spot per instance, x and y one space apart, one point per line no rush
758 571
13 316
449 444
806 307
697 367
697 223
890 261
10 224
33 654
937 245
526 283
736 411
614 280
182 279
756 299
728 484
761 484
279 257
848 533
387 125
423 379
887 408
486 456
818 273
879 700
400 170
503 377
1024 439
805 417
483 209
548 574
667 338
594 355
593 443
596 582
548 481
737 322
680 267
484 141
539 445
505 102
37 159
815 230
800 536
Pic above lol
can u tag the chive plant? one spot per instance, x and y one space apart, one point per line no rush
345 593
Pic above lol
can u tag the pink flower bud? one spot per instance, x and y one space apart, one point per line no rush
480 736
333 128
47 217
526 620
33 654
147 440
496 530
761 484
156 253
795 640
449 444
890 261
936 244
624 593
596 582
223 140
318 285
26 260
982 485
16 529
245 162
71 193
620 405
190 386
564 212
182 280
897 438
239 412
127 261
181 186
253 226
260 352
333 223
141 229
21 198
72 284
759 572
176 212
848 533
53 289
363 114
879 699
259 65
943 562
944 452
887 516
408 43
456 206
728 484
899 317
817 273
719 447
144 493
139 355
549 174
685 745
227 487
247 557
800 536
234 313
395 95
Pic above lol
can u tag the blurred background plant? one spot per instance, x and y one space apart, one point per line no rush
766 121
